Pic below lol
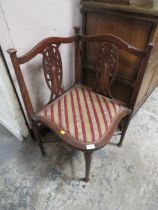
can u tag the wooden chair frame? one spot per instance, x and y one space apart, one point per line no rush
105 78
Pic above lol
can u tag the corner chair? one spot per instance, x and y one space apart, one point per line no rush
84 118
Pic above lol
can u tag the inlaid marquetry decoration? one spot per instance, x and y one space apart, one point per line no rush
52 66
106 66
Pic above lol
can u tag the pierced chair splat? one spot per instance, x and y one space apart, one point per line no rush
85 119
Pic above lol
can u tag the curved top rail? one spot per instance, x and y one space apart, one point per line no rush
84 38
41 46
115 40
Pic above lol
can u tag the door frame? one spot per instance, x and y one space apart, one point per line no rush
12 94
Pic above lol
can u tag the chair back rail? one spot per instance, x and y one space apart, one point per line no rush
42 45
115 40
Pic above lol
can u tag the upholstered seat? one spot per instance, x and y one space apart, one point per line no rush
82 114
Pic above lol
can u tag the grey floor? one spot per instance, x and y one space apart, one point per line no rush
121 178
9 145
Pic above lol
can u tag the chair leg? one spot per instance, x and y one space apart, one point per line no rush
32 134
38 138
125 126
88 160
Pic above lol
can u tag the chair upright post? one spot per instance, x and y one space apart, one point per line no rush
21 82
77 55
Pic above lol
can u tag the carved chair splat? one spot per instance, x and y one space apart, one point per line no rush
90 117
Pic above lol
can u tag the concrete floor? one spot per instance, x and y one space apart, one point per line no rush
121 178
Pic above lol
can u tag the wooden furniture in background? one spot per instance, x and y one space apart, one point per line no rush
85 119
137 24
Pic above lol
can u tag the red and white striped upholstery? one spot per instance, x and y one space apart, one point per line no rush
82 113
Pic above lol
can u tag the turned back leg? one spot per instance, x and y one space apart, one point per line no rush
125 126
38 138
88 160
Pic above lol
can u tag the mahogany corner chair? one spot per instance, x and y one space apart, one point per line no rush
85 119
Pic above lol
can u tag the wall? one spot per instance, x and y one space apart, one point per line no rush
24 24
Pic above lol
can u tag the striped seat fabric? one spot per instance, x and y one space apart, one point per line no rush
81 113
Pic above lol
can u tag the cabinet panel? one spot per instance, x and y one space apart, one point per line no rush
150 79
154 69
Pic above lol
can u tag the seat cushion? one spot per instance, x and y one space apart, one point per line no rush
82 114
